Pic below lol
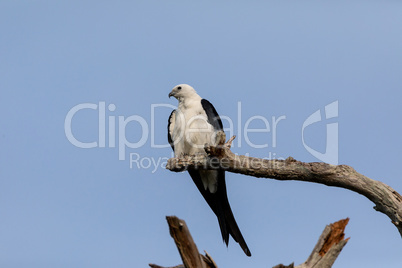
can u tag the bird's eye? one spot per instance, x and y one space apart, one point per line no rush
179 88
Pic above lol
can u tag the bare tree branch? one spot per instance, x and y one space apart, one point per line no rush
386 199
328 247
326 251
185 244
324 254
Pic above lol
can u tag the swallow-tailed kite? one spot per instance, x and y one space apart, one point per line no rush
193 124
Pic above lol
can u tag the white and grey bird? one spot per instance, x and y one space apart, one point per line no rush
193 124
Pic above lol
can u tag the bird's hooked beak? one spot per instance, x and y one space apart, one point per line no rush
171 94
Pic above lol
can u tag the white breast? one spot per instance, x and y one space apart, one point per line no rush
192 130
190 133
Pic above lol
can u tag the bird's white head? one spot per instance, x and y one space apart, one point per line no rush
182 92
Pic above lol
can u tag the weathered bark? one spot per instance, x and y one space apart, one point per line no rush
186 246
328 247
386 199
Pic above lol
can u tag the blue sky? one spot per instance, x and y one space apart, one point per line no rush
64 206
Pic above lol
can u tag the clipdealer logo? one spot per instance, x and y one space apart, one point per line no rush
330 155
108 138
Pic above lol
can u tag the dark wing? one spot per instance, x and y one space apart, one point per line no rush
213 116
170 127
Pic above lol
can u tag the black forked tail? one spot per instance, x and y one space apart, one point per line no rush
219 203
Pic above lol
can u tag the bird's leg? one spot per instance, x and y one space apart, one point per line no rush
220 138
176 162
187 157
171 162
183 157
